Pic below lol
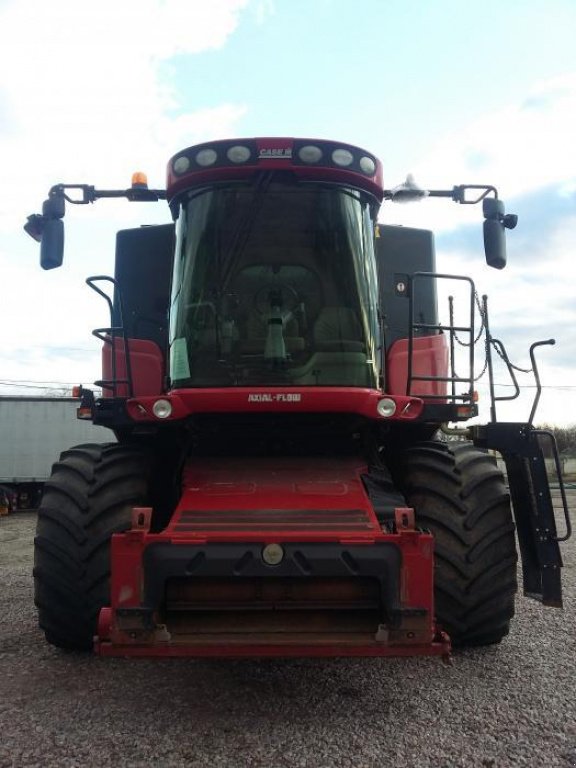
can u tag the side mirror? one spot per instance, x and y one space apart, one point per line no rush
494 244
35 226
494 235
52 244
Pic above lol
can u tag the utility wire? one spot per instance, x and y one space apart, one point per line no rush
29 382
559 387
36 386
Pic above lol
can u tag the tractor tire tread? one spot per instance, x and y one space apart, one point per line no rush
88 498
459 494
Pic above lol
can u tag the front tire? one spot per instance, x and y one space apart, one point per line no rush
88 497
458 493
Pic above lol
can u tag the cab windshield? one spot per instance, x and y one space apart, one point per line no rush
274 284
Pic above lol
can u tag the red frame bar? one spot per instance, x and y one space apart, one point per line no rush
127 575
276 399
440 646
221 499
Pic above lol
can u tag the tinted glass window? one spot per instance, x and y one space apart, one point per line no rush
274 284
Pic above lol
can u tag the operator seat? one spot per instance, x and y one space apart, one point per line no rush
337 329
201 328
256 332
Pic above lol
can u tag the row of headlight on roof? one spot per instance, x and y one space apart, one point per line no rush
308 154
311 154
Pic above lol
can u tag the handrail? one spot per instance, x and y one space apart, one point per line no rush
452 330
533 346
112 332
556 457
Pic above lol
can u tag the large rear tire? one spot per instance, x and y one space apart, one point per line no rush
459 494
88 497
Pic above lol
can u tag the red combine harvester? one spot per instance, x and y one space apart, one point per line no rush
276 375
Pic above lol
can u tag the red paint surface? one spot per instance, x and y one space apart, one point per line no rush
127 552
323 171
429 358
147 363
235 490
281 400
251 486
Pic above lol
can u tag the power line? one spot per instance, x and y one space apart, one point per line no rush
41 384
50 382
62 348
543 386
37 386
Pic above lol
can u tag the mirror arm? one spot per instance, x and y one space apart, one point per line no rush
496 220
90 194
458 193
410 192
54 206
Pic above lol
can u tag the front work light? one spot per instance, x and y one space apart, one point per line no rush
386 407
206 157
162 409
272 554
181 165
367 165
238 154
342 157
310 154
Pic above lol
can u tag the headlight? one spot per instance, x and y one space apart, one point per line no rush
342 157
386 407
272 554
206 157
310 154
238 154
162 409
181 165
367 165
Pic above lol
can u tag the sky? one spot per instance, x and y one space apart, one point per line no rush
451 92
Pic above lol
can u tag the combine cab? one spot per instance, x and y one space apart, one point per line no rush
276 375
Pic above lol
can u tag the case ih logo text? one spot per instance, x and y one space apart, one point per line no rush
279 397
285 153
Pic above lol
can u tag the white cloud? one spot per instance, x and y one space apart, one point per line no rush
522 147
531 300
48 333
525 146
83 96
263 10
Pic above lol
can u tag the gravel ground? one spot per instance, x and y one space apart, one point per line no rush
505 706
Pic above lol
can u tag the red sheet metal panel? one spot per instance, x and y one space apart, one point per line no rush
306 505
288 497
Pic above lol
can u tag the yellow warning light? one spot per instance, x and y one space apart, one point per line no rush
139 180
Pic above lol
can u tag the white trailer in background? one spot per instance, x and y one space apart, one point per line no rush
33 433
